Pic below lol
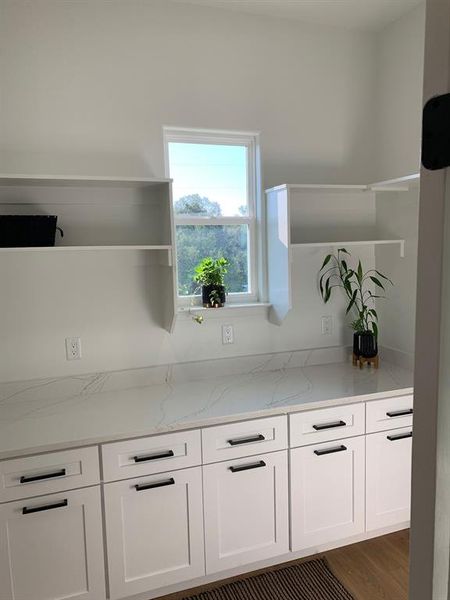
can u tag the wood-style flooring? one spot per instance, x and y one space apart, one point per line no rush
376 569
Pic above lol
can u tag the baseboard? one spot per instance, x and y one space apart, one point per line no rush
278 560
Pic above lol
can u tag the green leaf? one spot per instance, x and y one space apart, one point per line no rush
344 265
374 329
373 312
327 290
344 250
326 261
377 282
383 276
359 273
351 303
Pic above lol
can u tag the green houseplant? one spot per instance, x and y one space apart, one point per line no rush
357 285
210 273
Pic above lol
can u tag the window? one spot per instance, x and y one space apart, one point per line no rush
214 189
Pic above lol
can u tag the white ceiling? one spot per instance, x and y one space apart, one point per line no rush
368 15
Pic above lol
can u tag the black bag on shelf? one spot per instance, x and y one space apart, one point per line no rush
21 231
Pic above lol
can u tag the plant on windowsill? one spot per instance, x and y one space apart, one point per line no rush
335 272
210 274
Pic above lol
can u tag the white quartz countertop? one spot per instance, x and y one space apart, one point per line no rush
52 414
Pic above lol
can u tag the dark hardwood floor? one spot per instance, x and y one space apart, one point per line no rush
376 569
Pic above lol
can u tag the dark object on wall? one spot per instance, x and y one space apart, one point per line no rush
213 296
436 133
365 344
22 231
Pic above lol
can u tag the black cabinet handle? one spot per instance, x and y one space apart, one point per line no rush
330 450
257 465
168 454
329 425
249 440
149 486
399 436
30 478
35 509
400 413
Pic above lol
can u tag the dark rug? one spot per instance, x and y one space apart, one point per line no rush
312 580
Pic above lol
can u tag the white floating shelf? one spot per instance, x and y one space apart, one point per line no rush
319 187
400 184
83 248
79 180
346 244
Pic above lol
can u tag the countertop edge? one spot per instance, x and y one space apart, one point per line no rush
201 423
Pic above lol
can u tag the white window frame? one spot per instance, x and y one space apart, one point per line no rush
232 138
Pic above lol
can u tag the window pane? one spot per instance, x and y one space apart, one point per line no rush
209 179
195 242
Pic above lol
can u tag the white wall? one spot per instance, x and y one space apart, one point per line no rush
86 88
399 82
398 218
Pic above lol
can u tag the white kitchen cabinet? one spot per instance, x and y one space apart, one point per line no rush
154 531
51 547
388 478
327 492
246 510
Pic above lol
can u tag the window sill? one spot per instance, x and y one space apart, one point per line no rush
235 310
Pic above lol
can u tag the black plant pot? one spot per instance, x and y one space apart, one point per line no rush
213 295
365 344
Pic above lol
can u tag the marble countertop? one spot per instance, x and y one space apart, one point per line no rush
52 414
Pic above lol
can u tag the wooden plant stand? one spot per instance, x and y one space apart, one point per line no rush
361 361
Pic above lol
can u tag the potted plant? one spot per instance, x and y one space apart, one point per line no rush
210 274
356 283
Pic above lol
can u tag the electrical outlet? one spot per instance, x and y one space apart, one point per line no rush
227 334
327 325
73 348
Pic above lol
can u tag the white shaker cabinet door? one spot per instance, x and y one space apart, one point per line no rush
246 510
327 492
51 547
154 531
388 478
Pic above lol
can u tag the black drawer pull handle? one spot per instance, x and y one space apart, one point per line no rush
400 413
158 456
249 440
30 478
149 486
35 509
399 436
257 465
330 450
329 425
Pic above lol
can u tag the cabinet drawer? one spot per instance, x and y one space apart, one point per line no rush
48 473
246 438
324 424
389 413
145 456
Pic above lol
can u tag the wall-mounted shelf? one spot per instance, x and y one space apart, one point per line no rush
348 244
102 214
308 216
401 184
79 180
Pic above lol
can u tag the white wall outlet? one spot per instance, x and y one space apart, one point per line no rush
227 334
73 348
327 325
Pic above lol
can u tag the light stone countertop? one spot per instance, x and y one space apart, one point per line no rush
54 414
